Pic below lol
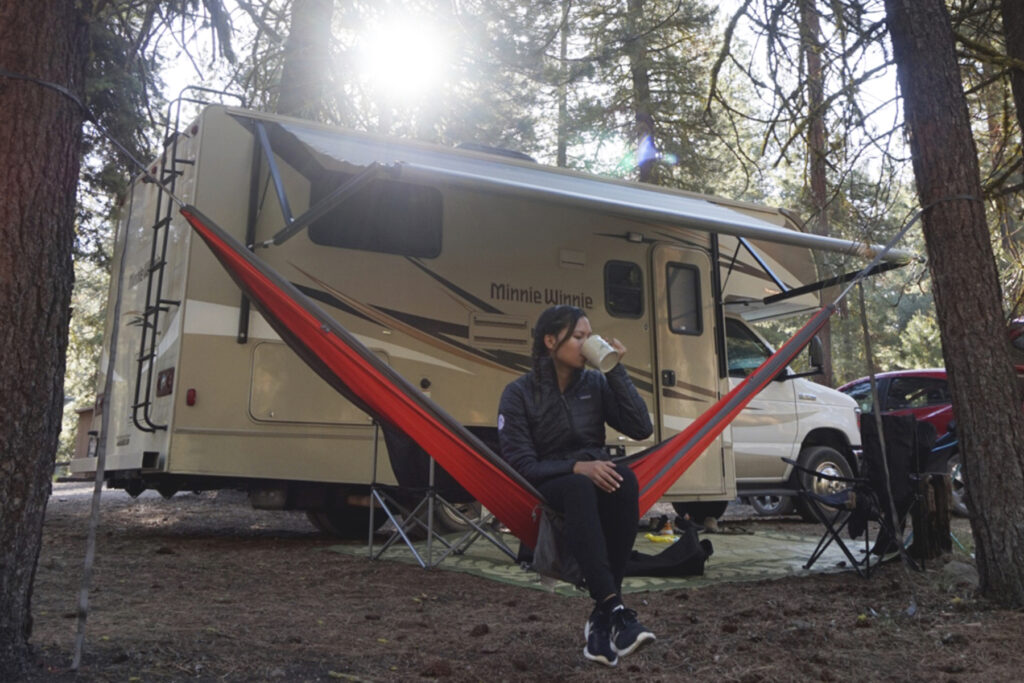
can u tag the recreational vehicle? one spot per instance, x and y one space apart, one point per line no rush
438 260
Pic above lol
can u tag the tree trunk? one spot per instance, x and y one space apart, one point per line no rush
1013 31
40 132
636 48
307 59
986 397
562 149
810 45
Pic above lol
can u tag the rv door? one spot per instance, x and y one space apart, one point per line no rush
686 367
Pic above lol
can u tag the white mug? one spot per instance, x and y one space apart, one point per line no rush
600 353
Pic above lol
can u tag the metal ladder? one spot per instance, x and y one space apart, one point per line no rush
170 168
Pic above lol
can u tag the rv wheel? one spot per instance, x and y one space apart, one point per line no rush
700 511
446 521
449 521
346 521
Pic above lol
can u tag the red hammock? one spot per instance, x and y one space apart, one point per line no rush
358 374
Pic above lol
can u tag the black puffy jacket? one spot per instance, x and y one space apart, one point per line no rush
543 432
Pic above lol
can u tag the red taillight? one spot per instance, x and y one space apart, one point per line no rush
190 397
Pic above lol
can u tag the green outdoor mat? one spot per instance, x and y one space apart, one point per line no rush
737 557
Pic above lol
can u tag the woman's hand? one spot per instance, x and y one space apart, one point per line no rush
619 347
601 472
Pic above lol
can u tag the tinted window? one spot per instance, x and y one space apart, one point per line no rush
745 351
385 215
916 392
683 287
623 289
861 393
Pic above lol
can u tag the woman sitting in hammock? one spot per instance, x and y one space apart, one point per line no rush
551 426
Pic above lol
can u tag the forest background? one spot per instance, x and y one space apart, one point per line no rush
723 101
859 115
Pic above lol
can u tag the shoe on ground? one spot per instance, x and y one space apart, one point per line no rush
628 634
599 640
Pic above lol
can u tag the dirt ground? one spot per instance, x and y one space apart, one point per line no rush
202 587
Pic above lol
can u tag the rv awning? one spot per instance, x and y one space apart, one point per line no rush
418 162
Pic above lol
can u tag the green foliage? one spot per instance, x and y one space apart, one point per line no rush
85 341
123 91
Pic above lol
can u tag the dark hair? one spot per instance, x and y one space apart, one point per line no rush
552 321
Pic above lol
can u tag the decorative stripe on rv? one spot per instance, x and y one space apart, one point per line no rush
359 375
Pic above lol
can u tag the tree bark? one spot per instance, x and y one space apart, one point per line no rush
1013 31
306 59
810 46
40 132
636 48
562 147
986 398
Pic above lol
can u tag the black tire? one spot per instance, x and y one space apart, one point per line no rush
700 511
771 506
826 460
445 521
349 522
449 522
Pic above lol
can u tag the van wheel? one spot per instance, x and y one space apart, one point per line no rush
771 506
956 477
350 522
700 511
826 460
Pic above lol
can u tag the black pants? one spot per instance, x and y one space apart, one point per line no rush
600 527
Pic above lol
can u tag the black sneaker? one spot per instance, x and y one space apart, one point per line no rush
628 634
599 642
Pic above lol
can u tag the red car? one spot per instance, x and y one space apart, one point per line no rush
923 394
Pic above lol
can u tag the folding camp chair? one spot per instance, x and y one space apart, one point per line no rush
412 506
883 494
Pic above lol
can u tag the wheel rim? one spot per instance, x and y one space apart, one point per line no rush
824 487
473 511
957 485
768 504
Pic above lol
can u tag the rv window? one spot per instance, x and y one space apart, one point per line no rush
683 287
623 289
386 216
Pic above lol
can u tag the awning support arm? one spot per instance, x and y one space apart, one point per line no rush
764 266
336 197
275 175
732 264
838 279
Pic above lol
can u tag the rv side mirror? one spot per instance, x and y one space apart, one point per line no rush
817 352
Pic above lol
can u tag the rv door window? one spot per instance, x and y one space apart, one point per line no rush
386 216
623 289
683 287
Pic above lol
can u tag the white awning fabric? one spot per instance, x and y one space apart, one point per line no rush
419 162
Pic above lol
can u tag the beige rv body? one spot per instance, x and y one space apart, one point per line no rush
457 324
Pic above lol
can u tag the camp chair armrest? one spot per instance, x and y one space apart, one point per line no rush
822 475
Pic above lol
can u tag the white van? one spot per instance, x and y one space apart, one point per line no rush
438 260
792 417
